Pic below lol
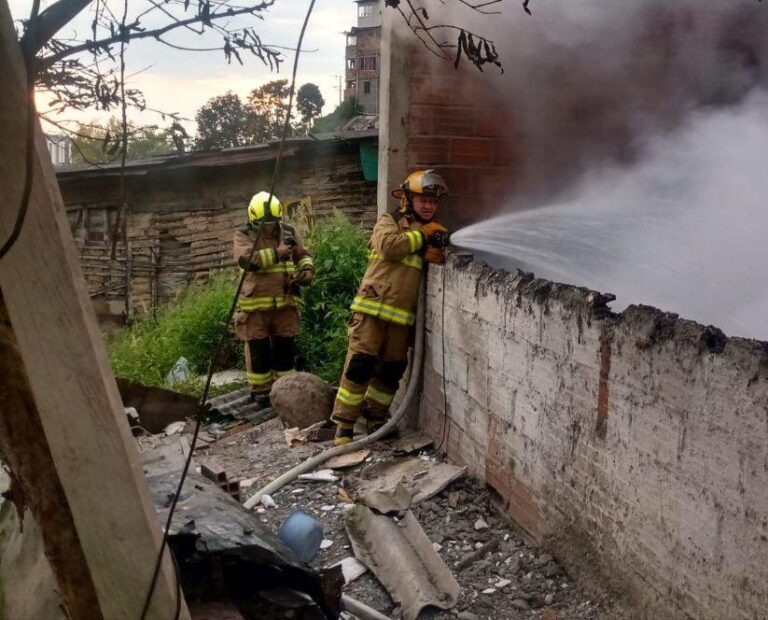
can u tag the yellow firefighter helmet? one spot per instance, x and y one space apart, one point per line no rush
422 182
260 211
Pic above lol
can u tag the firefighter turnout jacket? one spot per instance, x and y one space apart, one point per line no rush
267 319
380 328
270 283
390 286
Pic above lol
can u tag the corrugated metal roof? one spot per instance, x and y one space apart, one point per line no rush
213 158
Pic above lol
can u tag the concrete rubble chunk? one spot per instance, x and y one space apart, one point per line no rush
351 568
412 442
402 557
480 524
323 475
345 461
302 399
423 479
385 502
174 428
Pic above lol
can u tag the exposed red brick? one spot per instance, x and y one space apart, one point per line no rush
508 154
493 122
424 151
420 120
453 121
495 182
472 152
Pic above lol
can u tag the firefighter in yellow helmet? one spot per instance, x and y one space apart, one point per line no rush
384 309
266 318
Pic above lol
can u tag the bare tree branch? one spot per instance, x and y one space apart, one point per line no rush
133 31
41 29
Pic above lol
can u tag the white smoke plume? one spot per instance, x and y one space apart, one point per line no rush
587 80
685 229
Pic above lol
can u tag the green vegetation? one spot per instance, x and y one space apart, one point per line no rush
334 120
340 253
190 327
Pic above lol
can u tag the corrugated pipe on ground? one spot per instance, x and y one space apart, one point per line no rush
315 461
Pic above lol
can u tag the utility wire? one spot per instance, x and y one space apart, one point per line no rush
213 363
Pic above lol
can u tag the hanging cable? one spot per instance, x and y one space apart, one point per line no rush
213 363
442 340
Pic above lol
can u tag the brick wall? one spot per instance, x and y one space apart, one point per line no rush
634 446
459 125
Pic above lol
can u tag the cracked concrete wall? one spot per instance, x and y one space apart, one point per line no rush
634 446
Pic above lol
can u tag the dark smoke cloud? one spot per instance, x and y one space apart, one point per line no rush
586 81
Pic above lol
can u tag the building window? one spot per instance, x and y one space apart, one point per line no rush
368 63
367 87
351 63
365 10
351 39
350 84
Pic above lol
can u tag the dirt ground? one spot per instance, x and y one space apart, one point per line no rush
514 581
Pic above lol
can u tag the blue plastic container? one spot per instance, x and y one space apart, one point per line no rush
302 534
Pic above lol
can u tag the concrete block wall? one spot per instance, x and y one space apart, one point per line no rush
635 446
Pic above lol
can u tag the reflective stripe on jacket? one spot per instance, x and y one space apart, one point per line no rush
269 286
390 286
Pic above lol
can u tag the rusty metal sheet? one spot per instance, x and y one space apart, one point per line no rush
402 557
422 479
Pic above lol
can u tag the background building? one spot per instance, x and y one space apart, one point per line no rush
363 56
60 148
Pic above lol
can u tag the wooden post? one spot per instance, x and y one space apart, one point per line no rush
74 392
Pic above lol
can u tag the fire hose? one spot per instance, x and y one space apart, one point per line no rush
413 382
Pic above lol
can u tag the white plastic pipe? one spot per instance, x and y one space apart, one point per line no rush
410 392
361 610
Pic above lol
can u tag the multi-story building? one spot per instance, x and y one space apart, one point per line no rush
363 55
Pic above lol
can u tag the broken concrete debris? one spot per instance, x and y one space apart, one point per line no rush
422 479
402 557
398 499
351 568
216 474
323 475
223 549
345 461
410 443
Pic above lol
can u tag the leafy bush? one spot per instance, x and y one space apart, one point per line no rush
188 327
191 326
340 253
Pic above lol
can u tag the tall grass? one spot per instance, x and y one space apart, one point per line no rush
190 326
339 248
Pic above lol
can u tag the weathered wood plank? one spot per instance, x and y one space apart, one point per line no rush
69 372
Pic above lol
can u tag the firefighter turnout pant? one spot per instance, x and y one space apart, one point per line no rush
376 361
269 338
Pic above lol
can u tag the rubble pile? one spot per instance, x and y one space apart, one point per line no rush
501 575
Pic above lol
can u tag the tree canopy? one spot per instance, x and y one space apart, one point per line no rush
226 121
98 143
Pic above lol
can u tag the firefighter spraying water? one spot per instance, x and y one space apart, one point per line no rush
380 330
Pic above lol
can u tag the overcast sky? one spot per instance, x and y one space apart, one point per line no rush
181 82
